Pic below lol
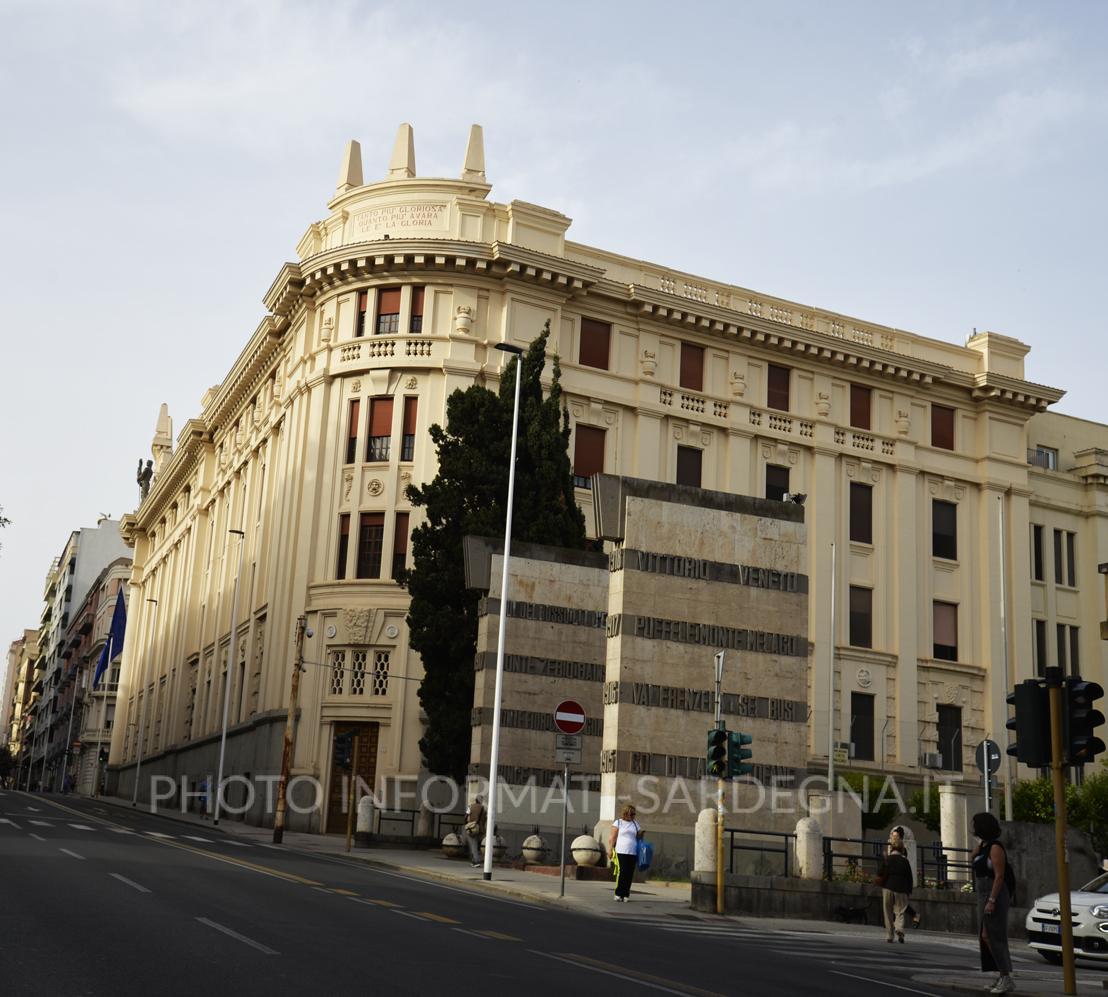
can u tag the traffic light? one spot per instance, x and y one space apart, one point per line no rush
1031 723
738 753
344 750
717 752
1083 718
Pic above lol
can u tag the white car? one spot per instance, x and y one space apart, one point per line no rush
1089 910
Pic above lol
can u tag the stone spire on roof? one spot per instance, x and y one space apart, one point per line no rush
350 176
161 447
402 166
474 166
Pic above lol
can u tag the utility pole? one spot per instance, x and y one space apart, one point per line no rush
1054 684
719 790
290 731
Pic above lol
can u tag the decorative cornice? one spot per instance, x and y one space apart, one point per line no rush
991 386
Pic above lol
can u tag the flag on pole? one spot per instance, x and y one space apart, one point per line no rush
114 644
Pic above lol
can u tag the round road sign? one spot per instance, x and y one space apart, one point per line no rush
569 717
988 754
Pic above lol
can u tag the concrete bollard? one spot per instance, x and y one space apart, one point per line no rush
704 842
364 818
424 822
809 848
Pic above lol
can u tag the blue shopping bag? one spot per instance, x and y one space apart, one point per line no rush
646 854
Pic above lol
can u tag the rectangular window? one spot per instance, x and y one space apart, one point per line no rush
595 342
692 367
861 617
1062 645
1037 553
1075 657
1041 664
950 737
942 427
1058 575
861 513
944 529
380 429
946 631
399 544
363 304
861 725
352 432
588 455
407 439
860 406
415 323
388 311
344 546
371 541
1044 457
777 388
1071 560
777 482
688 466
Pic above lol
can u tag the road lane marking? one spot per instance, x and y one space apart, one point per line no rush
238 844
80 827
130 882
345 893
883 983
74 854
34 810
193 837
35 836
5 820
408 913
40 823
642 979
241 938
374 903
121 830
499 936
428 881
158 834
438 917
472 934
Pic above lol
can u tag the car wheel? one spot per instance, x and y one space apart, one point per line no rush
1054 958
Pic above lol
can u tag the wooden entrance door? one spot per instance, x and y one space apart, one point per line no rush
339 793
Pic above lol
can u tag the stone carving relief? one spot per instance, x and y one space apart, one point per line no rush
738 383
374 486
463 320
359 624
863 471
326 329
392 631
903 422
648 362
412 384
347 484
823 404
865 678
356 386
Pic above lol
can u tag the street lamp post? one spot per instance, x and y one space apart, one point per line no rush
145 697
490 827
231 655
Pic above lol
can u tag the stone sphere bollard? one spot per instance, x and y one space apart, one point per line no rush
586 850
499 847
534 849
452 846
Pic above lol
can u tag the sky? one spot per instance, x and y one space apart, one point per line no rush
936 166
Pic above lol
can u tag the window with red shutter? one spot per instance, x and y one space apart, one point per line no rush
344 546
415 325
371 541
860 406
363 304
595 343
777 388
588 455
388 311
399 544
407 438
352 432
689 466
692 367
942 427
380 429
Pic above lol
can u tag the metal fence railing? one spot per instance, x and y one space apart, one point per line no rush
761 843
852 856
403 822
946 866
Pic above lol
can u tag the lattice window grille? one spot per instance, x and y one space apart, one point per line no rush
380 673
357 673
338 672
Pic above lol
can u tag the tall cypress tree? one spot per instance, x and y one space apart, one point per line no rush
468 496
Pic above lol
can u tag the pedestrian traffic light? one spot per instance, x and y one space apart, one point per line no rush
1083 718
717 752
1031 724
738 753
344 750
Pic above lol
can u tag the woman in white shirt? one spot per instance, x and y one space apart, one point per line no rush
623 844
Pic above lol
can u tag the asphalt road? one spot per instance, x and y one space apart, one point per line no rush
102 903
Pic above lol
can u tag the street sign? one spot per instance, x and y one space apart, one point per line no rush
567 756
987 756
842 756
567 740
569 717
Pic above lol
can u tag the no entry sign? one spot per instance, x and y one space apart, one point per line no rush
569 717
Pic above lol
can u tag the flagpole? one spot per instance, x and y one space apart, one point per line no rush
100 730
142 715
